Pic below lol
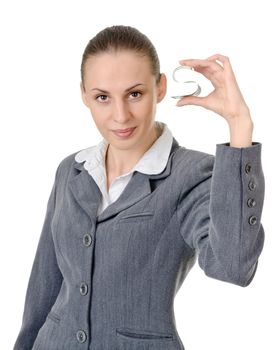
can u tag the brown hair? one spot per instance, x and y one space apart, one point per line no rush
118 38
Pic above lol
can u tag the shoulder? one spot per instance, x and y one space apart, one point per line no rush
66 164
190 169
193 161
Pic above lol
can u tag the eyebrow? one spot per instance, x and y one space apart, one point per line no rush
106 92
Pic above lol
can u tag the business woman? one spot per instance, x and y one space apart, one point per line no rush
127 218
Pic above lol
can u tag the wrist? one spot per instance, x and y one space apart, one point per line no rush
241 130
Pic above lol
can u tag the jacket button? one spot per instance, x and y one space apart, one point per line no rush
252 185
83 289
251 202
87 239
248 168
252 220
81 336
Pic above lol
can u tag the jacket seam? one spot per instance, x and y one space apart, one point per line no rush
153 261
179 199
59 214
178 204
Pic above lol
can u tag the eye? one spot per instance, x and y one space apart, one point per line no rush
101 98
136 92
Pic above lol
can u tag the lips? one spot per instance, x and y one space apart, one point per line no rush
124 130
124 133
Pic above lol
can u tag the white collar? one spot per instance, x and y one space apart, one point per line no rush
153 161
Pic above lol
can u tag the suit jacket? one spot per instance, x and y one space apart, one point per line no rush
108 282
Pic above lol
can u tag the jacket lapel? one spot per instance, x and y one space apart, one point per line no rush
85 191
88 195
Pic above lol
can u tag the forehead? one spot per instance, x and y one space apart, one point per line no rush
118 66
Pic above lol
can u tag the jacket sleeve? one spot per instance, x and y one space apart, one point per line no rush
220 217
44 281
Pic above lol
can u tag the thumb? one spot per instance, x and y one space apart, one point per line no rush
192 100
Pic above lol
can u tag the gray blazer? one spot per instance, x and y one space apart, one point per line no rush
108 282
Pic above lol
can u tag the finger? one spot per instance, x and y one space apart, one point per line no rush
223 59
208 73
220 57
195 63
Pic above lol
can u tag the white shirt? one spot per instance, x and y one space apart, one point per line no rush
153 161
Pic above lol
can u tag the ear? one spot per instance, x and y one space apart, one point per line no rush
161 88
83 95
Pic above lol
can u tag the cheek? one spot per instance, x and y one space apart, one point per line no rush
99 116
146 108
98 111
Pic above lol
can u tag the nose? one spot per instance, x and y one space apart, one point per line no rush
121 113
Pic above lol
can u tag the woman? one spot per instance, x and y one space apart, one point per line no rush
127 218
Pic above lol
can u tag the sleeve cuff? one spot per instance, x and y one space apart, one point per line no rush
227 144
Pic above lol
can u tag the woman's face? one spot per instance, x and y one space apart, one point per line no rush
121 92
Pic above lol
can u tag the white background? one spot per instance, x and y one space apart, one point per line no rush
43 120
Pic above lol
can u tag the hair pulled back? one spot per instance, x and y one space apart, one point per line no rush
119 38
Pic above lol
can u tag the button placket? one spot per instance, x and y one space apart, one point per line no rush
251 201
81 335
